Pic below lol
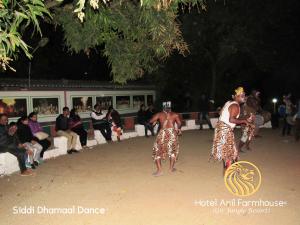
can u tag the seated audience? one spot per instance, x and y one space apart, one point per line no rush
76 126
62 129
100 122
28 141
9 144
37 131
150 112
143 120
113 116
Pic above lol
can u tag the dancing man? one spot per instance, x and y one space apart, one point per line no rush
166 143
248 130
224 147
253 105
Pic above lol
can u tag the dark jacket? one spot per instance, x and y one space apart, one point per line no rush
116 118
24 133
3 135
62 123
142 117
203 105
150 114
7 141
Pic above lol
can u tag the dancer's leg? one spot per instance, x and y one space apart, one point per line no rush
159 168
172 164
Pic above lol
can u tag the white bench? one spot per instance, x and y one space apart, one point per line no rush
125 135
213 122
8 164
99 137
60 148
267 125
140 129
91 142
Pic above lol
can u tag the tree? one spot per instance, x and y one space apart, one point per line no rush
222 31
231 44
15 17
136 35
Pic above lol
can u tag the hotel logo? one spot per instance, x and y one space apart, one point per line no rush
242 178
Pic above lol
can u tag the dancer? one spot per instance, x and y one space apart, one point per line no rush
224 147
297 122
253 105
166 143
248 130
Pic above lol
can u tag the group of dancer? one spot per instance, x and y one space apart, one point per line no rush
249 116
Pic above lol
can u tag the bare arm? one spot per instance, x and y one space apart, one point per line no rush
178 121
234 112
154 119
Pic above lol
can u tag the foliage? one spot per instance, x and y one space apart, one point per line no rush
15 17
135 34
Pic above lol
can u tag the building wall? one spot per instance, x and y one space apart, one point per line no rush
49 104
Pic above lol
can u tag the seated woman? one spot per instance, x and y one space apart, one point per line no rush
114 118
75 124
28 141
36 130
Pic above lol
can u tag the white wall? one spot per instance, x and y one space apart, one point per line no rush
65 99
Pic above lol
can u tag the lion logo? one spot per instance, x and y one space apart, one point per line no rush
242 178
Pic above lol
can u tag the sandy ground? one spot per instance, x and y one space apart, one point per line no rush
117 178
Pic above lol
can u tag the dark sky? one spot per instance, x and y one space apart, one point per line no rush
54 61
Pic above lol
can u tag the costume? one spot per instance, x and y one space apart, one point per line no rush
248 130
166 143
224 147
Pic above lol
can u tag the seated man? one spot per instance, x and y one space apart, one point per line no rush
100 122
143 119
9 144
62 129
29 142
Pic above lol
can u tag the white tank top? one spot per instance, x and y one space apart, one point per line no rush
225 115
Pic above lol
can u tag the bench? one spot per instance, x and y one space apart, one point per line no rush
9 163
140 130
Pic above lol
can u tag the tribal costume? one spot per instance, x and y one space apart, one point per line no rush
248 130
166 144
247 133
224 147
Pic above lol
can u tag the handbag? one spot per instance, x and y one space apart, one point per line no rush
41 135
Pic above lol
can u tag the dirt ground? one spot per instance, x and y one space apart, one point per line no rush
115 181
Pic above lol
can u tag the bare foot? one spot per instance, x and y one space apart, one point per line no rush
27 173
157 174
173 170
